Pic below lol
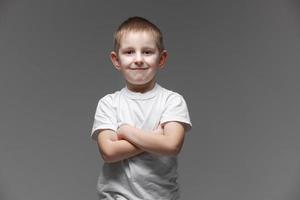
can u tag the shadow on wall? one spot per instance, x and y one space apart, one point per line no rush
3 6
296 4
6 193
294 193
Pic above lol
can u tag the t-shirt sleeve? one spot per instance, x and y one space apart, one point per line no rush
105 117
176 110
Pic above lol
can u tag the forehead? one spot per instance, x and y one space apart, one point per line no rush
137 39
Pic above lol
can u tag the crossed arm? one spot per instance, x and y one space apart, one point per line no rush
130 141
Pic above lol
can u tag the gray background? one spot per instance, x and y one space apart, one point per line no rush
236 62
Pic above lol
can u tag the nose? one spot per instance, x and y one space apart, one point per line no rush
138 59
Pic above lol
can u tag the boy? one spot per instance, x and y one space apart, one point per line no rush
139 129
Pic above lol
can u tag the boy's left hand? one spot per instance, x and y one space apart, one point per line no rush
123 130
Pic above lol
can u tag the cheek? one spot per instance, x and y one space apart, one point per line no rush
153 60
125 60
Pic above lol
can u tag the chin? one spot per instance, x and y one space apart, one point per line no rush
140 83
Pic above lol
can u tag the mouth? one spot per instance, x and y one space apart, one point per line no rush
138 69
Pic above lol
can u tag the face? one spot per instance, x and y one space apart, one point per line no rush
138 59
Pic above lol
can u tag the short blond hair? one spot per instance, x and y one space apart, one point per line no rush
137 24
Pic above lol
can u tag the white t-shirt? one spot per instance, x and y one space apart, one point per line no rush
146 176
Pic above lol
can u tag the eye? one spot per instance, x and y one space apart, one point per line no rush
148 52
129 52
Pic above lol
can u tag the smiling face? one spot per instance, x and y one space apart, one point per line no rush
139 59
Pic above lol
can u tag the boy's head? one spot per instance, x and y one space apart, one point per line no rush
139 53
138 24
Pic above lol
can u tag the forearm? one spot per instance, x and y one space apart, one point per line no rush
113 150
151 143
122 149
164 144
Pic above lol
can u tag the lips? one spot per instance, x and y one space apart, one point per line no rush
138 68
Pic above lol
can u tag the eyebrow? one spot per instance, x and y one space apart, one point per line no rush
146 47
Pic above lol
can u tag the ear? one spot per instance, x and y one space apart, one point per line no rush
115 60
163 59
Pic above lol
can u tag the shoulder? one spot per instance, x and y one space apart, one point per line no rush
175 109
109 98
171 96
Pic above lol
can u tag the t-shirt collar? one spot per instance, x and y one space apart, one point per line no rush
138 95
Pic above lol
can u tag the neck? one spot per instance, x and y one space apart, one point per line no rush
141 88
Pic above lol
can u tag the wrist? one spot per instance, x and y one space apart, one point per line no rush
124 130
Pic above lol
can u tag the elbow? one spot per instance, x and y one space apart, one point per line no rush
174 149
108 156
108 159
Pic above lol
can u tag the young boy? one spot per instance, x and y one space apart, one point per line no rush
140 129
